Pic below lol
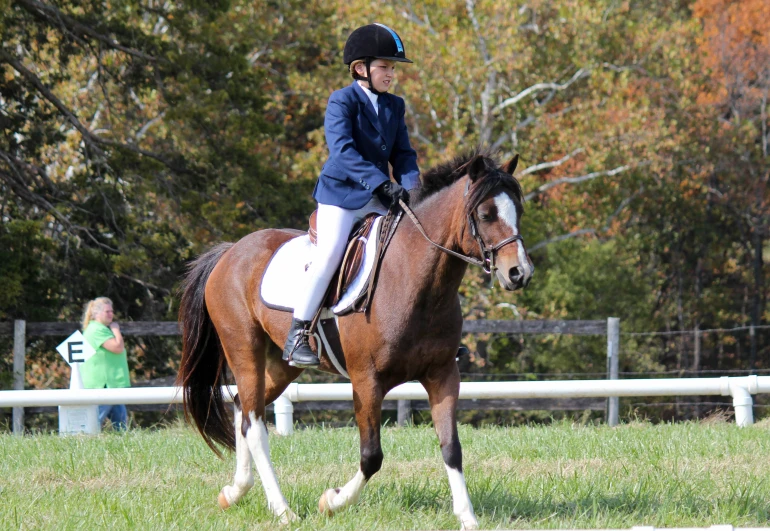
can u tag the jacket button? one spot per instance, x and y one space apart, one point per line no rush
383 147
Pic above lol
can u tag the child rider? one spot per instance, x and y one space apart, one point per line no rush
365 131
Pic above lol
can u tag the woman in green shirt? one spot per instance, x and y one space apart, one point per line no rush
109 366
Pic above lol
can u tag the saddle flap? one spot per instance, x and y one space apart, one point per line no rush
312 230
353 259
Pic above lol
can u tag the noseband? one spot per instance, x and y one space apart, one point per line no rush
488 254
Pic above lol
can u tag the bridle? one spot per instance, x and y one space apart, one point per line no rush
488 253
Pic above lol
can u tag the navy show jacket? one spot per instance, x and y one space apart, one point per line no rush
361 144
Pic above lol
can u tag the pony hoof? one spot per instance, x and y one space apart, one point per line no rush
222 501
288 517
469 525
324 504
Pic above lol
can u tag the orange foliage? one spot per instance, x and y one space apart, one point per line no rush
736 46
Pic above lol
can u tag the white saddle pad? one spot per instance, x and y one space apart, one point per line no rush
282 279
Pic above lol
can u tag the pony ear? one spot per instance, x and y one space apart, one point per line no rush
511 166
477 167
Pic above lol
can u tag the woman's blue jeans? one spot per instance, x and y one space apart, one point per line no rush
117 415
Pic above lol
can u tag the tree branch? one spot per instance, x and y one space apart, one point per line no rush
529 120
563 237
24 193
141 132
580 232
575 180
549 165
143 283
539 87
35 81
94 141
53 15
408 13
470 7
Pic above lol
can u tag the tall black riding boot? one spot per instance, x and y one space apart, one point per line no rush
297 350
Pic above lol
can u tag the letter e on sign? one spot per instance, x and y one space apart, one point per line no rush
75 349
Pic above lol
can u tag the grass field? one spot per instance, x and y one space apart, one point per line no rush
672 475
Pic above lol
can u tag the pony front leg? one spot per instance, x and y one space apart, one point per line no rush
255 433
443 390
368 405
244 477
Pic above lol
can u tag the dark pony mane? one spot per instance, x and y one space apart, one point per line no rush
445 174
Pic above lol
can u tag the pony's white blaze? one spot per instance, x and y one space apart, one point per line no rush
506 210
349 494
244 477
256 436
461 502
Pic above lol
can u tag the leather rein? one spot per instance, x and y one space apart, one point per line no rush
488 253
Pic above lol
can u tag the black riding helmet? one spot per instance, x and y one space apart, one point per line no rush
376 41
373 41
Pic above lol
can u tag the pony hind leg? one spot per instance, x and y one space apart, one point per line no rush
247 362
443 388
244 476
367 399
257 440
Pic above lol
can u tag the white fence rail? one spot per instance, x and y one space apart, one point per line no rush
740 388
611 328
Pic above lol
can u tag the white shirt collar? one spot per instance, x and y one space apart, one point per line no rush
372 97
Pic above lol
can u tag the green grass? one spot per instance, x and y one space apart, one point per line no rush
560 476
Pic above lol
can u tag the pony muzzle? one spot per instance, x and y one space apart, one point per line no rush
520 276
515 277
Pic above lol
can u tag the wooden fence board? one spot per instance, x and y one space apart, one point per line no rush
171 328
535 327
512 404
129 328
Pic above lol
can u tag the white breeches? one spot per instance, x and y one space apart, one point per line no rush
333 224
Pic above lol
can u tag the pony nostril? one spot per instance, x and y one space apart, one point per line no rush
515 274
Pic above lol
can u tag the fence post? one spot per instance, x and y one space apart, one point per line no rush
404 412
19 345
284 415
613 348
696 366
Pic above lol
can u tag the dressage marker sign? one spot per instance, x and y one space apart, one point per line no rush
77 419
75 349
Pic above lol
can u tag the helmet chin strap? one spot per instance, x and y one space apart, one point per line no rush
368 77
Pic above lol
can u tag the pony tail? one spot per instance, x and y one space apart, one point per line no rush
87 314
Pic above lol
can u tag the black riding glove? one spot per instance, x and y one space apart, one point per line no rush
390 192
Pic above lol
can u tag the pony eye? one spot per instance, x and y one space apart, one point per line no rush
488 214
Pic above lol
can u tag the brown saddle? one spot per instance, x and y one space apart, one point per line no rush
353 259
